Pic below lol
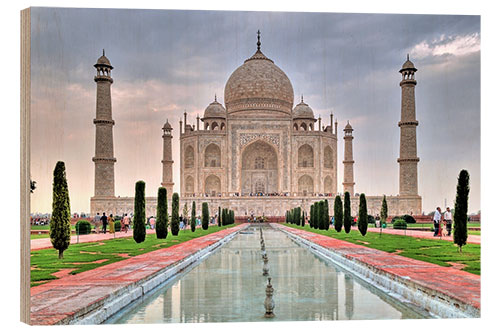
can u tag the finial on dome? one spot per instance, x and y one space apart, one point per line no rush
302 98
216 97
103 52
407 56
258 40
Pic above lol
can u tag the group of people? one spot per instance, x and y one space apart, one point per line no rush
440 219
105 220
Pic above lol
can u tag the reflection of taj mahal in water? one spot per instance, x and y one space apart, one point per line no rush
257 154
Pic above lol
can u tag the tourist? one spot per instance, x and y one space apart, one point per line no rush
181 225
447 220
126 222
152 222
104 221
437 221
122 224
97 220
111 224
377 221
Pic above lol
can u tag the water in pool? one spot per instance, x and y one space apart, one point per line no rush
229 286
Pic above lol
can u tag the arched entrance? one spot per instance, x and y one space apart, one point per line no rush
259 169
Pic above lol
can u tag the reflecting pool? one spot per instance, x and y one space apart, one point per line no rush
229 286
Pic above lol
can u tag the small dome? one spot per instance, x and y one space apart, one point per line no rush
302 110
215 110
348 127
167 126
408 65
103 61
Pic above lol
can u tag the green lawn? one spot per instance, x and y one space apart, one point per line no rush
82 257
36 236
436 251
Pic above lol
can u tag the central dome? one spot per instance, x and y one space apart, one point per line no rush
257 87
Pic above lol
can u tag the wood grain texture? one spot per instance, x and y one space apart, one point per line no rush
25 163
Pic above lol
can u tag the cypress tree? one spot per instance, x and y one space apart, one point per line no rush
347 212
303 220
162 214
460 211
383 211
60 227
297 216
204 215
193 217
320 217
327 215
174 225
362 215
139 212
232 216
316 215
219 218
338 214
224 217
311 213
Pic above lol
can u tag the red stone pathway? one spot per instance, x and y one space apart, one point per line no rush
456 284
59 300
471 239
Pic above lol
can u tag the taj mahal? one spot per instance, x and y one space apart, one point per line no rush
257 153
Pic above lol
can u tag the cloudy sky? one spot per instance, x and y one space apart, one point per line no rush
170 61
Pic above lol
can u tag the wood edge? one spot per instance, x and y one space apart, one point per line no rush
25 163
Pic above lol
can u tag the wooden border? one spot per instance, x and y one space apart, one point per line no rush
25 163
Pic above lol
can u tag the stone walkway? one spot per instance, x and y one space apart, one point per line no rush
59 301
471 239
455 284
44 243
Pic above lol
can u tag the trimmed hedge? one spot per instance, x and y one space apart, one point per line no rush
118 226
399 224
83 227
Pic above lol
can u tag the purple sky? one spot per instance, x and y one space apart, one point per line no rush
170 61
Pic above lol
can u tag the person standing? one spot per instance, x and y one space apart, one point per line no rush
437 221
126 222
447 220
97 221
152 222
104 221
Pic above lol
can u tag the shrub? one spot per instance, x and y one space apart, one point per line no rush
347 213
193 217
118 226
231 217
362 215
162 214
408 219
371 219
60 227
139 212
83 227
316 215
338 214
399 224
303 220
174 225
461 208
204 215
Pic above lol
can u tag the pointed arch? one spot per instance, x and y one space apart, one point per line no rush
306 156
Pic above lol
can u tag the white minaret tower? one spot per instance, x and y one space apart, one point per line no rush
348 160
104 160
408 160
167 161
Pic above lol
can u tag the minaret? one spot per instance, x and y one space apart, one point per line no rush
408 160
348 161
167 161
104 161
